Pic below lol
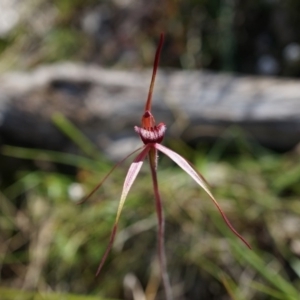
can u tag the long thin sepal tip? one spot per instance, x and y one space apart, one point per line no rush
111 241
155 66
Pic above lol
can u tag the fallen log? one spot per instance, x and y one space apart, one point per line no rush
106 104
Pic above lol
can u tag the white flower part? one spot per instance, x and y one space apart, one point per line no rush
153 135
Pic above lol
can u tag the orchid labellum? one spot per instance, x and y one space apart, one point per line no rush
152 136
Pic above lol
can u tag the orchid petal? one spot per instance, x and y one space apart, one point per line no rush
182 163
107 175
132 173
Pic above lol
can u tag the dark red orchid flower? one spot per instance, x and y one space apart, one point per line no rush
152 136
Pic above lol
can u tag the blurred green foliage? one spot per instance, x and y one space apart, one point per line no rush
49 242
246 36
8 294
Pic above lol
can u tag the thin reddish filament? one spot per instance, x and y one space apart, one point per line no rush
111 241
161 226
228 222
130 178
155 66
106 176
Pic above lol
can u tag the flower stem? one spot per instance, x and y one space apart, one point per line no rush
161 226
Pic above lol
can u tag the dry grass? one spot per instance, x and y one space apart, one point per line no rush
48 243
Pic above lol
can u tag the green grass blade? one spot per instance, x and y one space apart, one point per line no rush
21 186
12 294
214 270
51 156
267 290
255 261
75 135
260 266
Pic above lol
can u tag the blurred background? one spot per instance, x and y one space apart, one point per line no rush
50 247
252 37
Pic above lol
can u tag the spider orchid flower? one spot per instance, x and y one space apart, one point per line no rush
152 136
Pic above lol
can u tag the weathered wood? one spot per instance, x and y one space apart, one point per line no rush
106 104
